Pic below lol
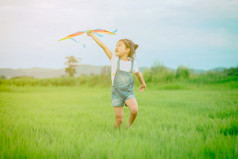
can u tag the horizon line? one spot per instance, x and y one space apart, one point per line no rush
109 65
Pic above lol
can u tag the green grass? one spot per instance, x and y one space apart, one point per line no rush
174 121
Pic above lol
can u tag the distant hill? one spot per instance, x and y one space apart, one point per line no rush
198 71
81 69
48 72
218 69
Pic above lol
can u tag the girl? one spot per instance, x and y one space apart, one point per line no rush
123 65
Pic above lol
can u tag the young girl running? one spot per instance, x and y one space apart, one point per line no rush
123 65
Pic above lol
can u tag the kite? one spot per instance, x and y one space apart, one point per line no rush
98 32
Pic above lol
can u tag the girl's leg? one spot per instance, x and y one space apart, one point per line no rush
133 106
119 115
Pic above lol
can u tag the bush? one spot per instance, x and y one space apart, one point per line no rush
183 72
231 71
159 73
22 77
2 77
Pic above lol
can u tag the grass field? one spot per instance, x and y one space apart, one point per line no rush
78 122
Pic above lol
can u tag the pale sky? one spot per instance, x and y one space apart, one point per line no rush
200 34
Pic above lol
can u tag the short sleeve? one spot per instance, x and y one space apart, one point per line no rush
114 58
135 68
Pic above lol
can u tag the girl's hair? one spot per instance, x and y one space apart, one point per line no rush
132 46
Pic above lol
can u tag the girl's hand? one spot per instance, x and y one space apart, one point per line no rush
142 87
89 33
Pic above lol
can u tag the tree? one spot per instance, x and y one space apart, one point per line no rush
106 70
71 65
2 77
157 67
233 71
183 72
160 73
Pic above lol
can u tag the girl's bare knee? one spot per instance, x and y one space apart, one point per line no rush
134 111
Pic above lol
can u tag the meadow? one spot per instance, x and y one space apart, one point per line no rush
176 120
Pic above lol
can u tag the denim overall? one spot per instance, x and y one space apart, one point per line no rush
123 86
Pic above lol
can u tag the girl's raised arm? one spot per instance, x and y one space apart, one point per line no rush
103 46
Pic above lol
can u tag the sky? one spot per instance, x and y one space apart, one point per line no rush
199 34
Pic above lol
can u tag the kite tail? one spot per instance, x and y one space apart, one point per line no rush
78 42
114 31
74 40
98 35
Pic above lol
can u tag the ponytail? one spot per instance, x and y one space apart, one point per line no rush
132 46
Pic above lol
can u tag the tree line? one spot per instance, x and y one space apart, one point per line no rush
156 74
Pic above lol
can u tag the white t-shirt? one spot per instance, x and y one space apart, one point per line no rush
124 66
